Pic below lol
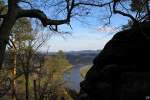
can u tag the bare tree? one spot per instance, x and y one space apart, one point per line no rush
27 51
15 11
14 56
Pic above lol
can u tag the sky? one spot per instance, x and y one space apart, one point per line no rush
86 34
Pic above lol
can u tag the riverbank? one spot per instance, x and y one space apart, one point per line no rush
72 77
84 70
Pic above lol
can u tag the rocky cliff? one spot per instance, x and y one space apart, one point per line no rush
121 70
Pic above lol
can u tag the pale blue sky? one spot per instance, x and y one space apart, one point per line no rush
85 35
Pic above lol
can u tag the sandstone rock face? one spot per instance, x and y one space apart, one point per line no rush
121 71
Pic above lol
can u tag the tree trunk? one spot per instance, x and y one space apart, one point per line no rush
14 54
5 30
35 89
2 51
27 85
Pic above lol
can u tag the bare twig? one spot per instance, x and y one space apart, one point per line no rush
92 4
27 3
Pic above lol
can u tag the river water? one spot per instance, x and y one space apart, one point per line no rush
72 77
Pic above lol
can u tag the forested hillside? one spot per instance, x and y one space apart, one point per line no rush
81 57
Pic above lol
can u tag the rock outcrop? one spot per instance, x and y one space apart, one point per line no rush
121 70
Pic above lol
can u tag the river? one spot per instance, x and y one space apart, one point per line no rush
72 77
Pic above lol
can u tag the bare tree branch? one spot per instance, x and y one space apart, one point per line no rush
35 13
122 13
12 42
127 10
27 3
92 4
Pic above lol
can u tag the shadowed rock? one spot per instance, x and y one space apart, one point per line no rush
121 71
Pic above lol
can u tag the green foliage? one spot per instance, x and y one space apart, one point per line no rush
20 82
3 8
22 30
1 3
57 62
53 69
22 25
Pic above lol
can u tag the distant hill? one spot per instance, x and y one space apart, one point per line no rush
81 57
76 57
